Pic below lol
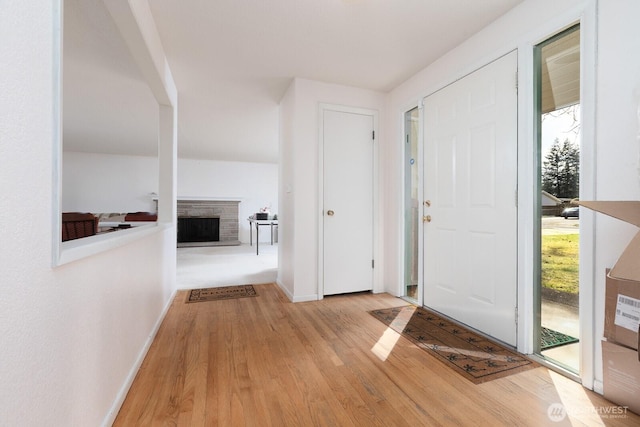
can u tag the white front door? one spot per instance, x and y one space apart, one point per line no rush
347 222
470 183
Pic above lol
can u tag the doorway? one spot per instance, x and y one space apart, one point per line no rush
557 328
470 203
347 230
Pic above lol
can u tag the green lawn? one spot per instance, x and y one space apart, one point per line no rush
560 262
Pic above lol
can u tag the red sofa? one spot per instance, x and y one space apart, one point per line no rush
141 216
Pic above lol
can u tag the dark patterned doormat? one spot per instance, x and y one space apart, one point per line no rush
221 293
550 339
473 356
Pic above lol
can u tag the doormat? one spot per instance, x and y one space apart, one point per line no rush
473 356
550 339
221 293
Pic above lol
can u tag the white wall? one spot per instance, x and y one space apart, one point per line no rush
300 174
516 27
613 137
617 175
524 26
255 184
108 183
286 246
71 335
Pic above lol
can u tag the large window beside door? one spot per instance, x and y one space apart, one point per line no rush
558 129
411 205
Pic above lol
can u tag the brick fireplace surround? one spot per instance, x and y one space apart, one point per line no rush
226 210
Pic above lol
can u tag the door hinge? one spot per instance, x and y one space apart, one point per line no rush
516 82
372 263
373 134
516 311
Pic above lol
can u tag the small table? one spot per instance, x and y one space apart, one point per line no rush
258 223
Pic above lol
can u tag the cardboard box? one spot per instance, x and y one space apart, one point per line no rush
627 267
621 365
621 375
622 312
622 295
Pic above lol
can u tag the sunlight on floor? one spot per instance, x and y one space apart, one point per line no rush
385 344
382 349
577 407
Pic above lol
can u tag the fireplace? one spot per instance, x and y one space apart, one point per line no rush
199 219
198 230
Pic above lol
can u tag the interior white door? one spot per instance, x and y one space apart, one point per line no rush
347 202
470 183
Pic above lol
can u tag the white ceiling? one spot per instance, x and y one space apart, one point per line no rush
233 60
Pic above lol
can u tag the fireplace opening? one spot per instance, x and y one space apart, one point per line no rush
198 229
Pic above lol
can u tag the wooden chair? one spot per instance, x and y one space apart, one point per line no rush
76 225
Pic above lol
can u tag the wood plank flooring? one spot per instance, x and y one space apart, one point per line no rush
265 361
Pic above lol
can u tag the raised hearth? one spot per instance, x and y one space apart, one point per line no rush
225 211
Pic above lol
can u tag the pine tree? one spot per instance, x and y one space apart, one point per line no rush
561 170
551 169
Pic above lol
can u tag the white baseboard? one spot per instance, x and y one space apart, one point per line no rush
285 290
122 394
598 387
305 298
293 298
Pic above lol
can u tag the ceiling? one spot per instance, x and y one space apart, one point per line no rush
560 72
232 61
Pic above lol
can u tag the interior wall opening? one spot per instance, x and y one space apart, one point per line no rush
110 120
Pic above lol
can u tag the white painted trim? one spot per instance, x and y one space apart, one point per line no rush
589 342
526 198
377 252
398 290
307 298
559 22
56 144
586 16
292 298
135 22
285 290
77 249
421 172
209 199
598 387
401 291
122 393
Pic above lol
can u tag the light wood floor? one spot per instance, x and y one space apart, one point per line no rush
264 361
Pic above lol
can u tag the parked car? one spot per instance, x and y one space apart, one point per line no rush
572 212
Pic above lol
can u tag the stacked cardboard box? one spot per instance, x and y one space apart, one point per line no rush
621 359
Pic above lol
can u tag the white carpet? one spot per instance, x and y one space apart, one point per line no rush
226 265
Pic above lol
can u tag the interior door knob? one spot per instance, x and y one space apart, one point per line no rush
426 218
330 212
